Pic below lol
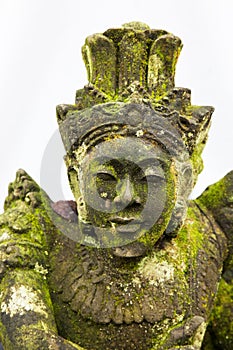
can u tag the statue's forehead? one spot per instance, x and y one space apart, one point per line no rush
125 155
133 149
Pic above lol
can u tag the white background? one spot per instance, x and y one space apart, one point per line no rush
41 66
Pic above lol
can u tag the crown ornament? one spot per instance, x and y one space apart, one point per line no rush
136 64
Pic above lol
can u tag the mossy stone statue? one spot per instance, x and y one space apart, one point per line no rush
131 263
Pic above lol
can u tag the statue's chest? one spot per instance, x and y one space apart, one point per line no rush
105 291
113 298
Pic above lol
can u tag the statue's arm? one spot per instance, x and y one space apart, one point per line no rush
218 199
26 311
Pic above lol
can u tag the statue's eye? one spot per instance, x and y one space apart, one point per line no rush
153 179
106 185
106 177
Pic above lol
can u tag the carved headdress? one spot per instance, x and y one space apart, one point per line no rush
131 91
134 65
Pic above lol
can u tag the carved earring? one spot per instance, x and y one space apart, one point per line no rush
82 210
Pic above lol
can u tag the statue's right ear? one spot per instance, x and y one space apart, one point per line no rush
73 179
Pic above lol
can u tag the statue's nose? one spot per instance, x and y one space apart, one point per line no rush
126 192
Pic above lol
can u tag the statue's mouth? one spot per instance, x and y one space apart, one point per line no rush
122 220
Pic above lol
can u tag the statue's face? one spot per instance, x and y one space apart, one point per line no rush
125 186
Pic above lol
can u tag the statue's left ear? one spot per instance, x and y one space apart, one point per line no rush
184 186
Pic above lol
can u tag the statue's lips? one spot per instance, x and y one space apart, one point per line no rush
127 225
122 221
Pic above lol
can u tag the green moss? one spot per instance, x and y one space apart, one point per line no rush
190 237
149 238
25 243
214 195
197 161
99 54
221 323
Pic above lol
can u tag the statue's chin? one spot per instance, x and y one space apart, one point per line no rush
131 250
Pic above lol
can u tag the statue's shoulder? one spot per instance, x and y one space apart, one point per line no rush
23 189
25 196
31 221
28 206
218 199
23 224
23 200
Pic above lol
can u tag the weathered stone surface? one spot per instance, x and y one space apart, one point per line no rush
108 270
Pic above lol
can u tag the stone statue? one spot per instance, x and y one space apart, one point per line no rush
132 263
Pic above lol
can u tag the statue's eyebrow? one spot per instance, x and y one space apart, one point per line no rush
111 164
158 161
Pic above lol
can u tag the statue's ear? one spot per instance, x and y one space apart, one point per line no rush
72 177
